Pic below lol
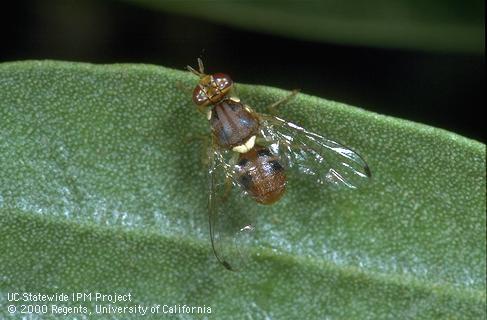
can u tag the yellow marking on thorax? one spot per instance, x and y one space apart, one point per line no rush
246 147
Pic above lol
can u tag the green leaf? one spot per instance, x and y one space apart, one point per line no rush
438 25
103 189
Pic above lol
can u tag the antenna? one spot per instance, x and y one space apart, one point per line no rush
201 67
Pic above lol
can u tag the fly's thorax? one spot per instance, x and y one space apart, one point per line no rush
233 125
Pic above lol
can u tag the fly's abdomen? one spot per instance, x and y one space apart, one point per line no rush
232 124
261 175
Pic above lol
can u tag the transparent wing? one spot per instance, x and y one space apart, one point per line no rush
231 215
327 161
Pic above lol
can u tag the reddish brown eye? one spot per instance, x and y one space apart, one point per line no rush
223 81
199 96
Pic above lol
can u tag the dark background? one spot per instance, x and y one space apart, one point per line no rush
445 90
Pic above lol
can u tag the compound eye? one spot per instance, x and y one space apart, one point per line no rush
222 81
199 96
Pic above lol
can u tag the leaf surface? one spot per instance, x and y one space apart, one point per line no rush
103 189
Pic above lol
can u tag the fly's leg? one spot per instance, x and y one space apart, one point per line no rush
272 108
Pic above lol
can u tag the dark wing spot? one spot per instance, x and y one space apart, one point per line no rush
243 162
263 153
246 180
276 166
